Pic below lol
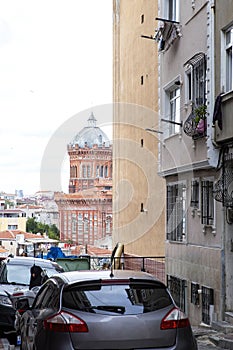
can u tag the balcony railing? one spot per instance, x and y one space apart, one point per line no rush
154 265
195 125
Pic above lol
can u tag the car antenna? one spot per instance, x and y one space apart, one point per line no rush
111 273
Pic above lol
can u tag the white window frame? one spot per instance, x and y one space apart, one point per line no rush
171 10
171 105
227 64
188 86
195 83
172 220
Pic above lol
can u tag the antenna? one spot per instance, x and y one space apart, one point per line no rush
111 273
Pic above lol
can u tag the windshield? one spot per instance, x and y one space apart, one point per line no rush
20 274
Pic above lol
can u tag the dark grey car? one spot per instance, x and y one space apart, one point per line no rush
14 282
104 310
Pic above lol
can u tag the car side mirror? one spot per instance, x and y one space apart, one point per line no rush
22 304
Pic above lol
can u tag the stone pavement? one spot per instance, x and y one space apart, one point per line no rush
4 344
208 338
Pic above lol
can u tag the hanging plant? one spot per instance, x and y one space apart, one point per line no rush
200 113
200 118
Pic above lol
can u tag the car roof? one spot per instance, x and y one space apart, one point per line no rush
23 260
87 275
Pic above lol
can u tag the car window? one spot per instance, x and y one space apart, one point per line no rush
117 298
48 297
20 274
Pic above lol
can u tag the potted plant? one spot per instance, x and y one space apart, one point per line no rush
200 118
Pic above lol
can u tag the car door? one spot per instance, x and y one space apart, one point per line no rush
46 303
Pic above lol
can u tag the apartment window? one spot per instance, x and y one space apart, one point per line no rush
12 227
196 80
172 111
207 203
228 51
177 288
195 194
188 86
199 82
84 171
88 171
195 299
176 220
175 110
207 300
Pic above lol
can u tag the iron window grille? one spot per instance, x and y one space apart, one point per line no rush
207 203
223 190
197 94
177 288
176 223
195 298
207 300
195 194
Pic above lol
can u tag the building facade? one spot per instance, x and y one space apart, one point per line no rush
85 213
223 140
195 83
12 219
138 192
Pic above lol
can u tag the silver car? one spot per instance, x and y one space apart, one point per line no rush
104 310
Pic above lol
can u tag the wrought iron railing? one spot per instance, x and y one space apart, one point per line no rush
195 128
154 265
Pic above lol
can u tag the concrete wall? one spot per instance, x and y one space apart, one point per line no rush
136 184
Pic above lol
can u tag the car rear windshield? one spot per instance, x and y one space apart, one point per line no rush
117 298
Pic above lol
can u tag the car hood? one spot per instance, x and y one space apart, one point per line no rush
9 289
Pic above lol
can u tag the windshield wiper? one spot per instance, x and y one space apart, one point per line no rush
16 283
110 308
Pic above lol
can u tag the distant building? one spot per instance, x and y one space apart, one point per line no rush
86 212
12 219
19 242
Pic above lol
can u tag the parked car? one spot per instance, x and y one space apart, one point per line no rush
15 275
104 310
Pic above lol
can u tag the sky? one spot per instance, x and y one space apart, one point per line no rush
55 63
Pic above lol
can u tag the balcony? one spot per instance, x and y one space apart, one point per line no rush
195 124
224 121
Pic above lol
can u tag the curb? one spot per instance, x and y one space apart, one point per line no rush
222 340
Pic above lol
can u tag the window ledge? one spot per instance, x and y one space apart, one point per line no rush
207 228
177 242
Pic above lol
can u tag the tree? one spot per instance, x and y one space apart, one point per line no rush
34 227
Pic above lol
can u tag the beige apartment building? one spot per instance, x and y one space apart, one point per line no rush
195 151
138 192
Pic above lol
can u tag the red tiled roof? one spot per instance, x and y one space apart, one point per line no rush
91 250
29 206
3 250
11 234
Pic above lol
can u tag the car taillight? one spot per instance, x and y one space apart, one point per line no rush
65 322
175 319
17 294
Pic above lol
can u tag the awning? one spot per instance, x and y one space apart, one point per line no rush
195 59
